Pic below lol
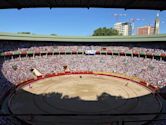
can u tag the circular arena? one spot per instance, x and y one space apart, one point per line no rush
83 93
82 83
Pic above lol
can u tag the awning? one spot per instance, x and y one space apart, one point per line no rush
126 4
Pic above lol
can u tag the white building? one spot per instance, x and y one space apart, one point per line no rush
124 29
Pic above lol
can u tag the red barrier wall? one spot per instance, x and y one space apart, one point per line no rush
147 85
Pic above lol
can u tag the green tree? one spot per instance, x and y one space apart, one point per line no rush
53 34
105 32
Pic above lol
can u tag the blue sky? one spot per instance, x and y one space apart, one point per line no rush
71 22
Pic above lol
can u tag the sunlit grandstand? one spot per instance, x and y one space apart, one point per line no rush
82 80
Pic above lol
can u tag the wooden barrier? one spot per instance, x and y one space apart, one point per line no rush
138 81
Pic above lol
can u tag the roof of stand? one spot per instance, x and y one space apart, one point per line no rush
46 38
126 4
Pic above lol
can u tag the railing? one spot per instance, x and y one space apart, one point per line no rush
108 52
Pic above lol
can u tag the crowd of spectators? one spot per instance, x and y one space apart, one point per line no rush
14 46
14 71
149 70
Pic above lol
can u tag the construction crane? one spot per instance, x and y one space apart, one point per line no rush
132 21
118 15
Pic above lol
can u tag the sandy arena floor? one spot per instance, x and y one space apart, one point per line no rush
91 94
